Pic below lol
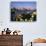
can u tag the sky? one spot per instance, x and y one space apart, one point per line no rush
23 5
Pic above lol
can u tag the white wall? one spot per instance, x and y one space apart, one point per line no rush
30 30
39 44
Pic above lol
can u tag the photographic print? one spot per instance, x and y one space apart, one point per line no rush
23 11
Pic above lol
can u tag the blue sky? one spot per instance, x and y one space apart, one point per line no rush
23 4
